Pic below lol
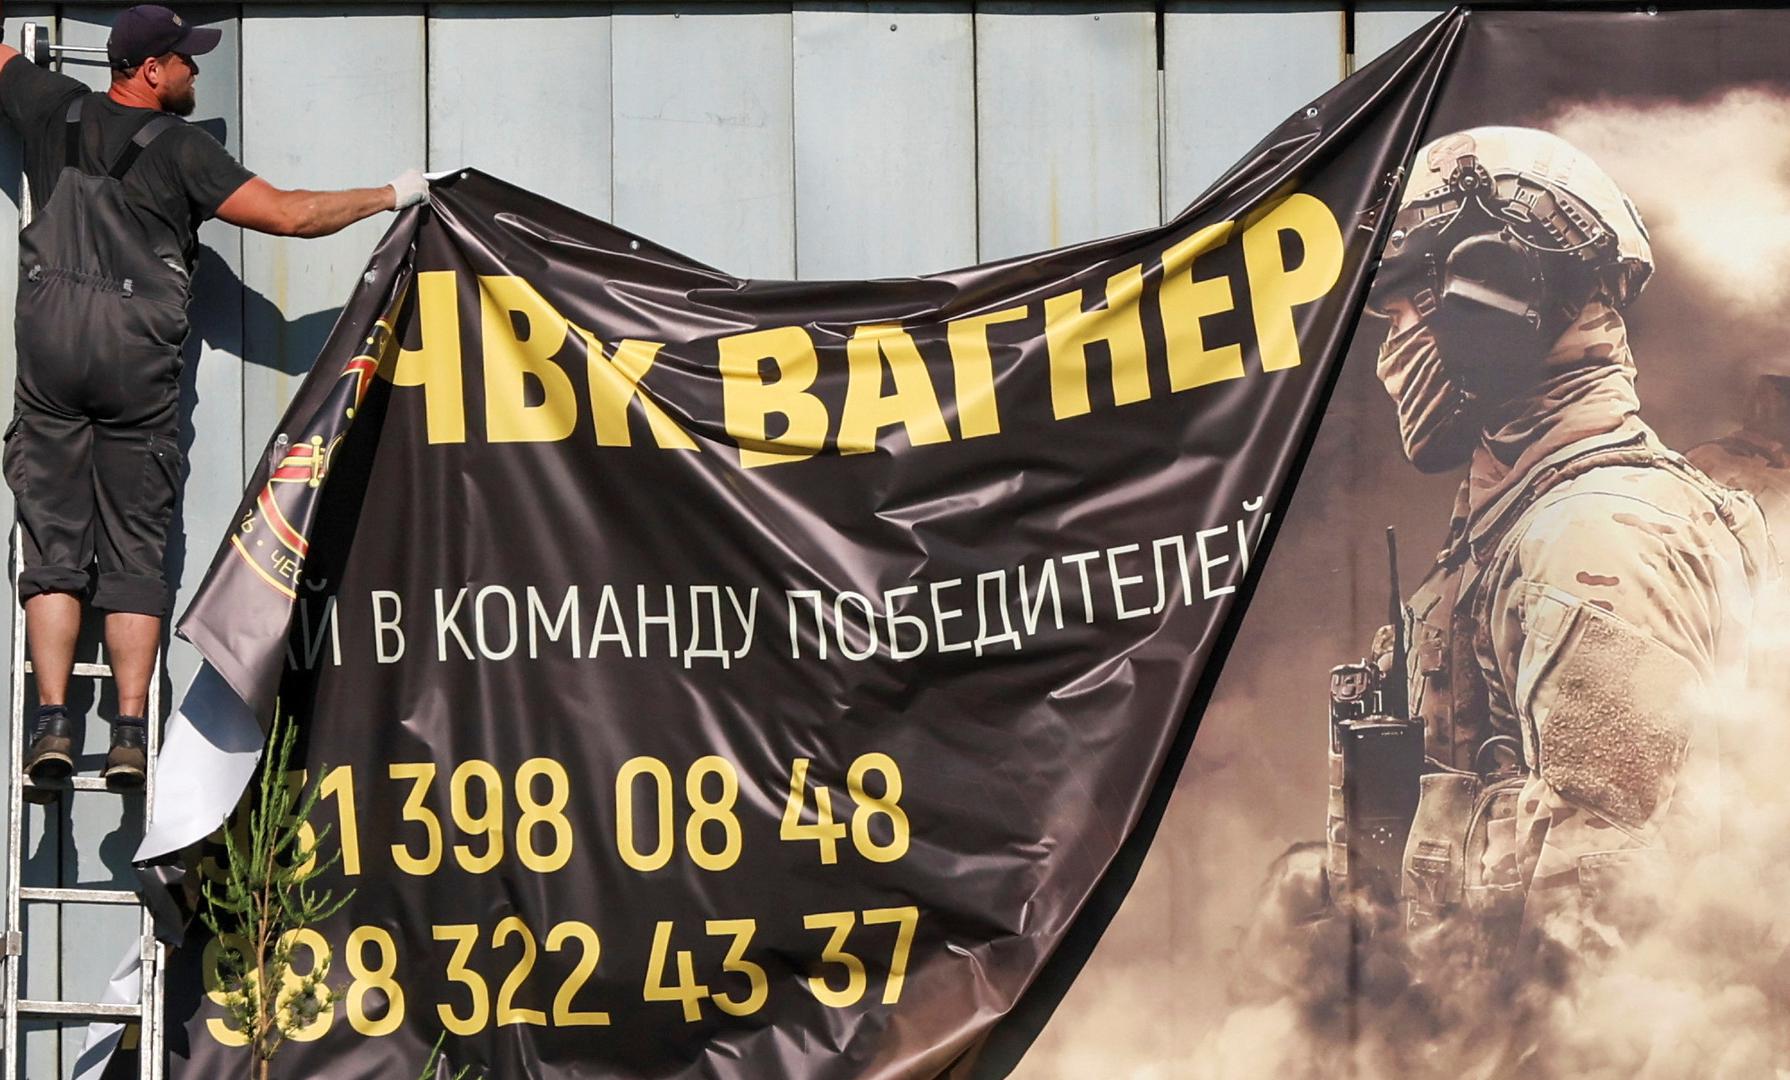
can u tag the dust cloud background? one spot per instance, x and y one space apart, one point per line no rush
1690 122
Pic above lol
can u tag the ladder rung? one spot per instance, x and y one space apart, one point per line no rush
81 1010
82 671
78 896
80 783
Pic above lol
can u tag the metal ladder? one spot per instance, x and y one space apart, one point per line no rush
148 1008
147 1011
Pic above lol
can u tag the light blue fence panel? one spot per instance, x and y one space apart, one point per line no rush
213 435
704 132
885 131
1381 24
1066 124
543 121
332 97
1230 75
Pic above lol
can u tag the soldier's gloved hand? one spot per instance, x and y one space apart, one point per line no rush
409 189
1385 640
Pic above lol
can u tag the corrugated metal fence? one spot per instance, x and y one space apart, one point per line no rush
811 140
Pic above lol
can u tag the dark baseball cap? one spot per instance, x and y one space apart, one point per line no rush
152 30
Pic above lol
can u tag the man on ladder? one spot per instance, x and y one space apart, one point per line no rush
119 187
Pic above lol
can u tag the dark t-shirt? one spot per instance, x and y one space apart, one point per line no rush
175 185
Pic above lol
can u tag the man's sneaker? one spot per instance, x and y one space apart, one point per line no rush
127 760
51 754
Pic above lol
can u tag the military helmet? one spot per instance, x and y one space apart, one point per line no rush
1549 198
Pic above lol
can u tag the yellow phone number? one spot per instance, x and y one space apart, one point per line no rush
374 1000
480 799
478 805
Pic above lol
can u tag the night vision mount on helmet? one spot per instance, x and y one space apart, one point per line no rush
1503 235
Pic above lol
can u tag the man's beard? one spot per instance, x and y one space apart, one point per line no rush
182 103
1436 419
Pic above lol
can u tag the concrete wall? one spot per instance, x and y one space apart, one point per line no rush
815 140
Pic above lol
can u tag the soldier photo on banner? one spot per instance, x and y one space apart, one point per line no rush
1524 815
1592 580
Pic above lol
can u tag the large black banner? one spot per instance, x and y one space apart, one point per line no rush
726 678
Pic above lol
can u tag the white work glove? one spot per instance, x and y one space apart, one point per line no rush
409 189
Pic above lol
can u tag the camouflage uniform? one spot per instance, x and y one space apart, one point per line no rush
1592 582
1580 624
